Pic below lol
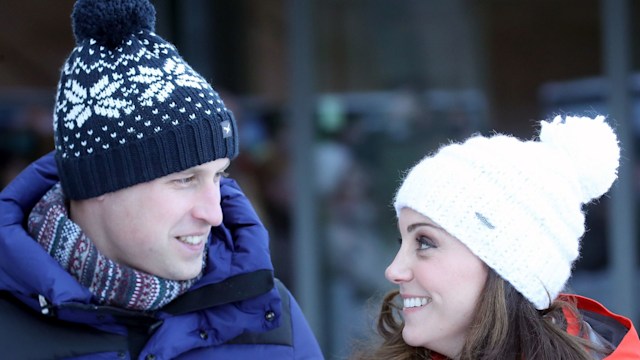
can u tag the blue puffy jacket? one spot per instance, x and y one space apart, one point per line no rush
46 313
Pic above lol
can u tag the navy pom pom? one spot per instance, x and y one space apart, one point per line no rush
110 22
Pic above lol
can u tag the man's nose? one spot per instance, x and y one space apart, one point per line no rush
208 206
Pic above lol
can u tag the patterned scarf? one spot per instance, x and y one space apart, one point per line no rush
111 283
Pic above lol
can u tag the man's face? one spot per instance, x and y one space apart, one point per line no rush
161 227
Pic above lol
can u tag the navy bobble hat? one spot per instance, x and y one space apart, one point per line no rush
128 108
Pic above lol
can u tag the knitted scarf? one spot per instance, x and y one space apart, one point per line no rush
111 283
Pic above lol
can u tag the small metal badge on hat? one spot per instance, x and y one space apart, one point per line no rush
484 221
226 129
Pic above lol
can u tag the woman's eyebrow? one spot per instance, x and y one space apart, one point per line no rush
414 226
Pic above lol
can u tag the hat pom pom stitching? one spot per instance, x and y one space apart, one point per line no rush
591 147
109 23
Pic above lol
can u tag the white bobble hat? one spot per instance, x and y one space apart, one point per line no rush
517 205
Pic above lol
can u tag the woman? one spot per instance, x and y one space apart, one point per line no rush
490 229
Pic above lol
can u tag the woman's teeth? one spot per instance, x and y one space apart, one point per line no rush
191 240
416 302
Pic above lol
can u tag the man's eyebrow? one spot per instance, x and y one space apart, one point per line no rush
226 166
197 169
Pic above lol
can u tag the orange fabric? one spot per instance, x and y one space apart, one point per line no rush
629 347
573 325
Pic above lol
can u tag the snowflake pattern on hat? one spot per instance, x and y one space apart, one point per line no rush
128 108
151 83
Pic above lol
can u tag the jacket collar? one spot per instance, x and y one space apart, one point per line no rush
616 329
239 246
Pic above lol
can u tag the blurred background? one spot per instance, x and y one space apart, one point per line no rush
336 98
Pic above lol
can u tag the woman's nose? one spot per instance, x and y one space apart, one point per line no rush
398 271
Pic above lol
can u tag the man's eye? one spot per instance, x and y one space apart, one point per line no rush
185 180
221 174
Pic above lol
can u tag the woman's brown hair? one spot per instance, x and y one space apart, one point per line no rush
505 326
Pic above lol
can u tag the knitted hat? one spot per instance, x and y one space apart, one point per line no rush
517 204
128 108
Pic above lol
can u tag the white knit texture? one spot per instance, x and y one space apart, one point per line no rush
515 204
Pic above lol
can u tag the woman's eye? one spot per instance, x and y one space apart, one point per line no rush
424 243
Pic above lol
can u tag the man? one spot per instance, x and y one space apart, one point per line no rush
127 241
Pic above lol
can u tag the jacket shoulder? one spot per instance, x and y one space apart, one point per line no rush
282 335
20 325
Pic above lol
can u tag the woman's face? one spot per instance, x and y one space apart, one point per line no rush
440 282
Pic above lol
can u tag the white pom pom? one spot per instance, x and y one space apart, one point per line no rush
592 148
